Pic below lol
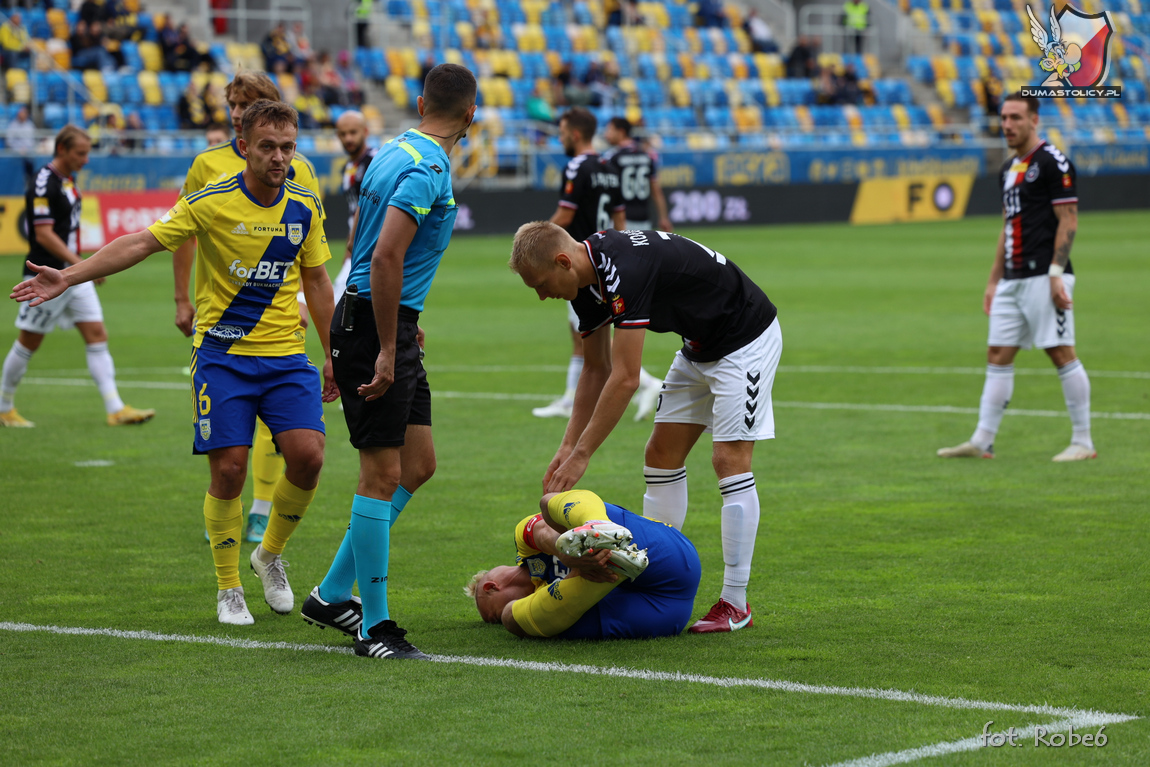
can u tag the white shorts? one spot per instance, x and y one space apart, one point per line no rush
730 396
1022 314
78 303
572 317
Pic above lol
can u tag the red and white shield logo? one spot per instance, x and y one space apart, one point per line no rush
1092 33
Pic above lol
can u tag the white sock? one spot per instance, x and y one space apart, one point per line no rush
574 370
666 496
646 380
15 366
262 508
103 372
740 525
996 393
1076 391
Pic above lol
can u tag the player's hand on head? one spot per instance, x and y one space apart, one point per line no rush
46 285
383 379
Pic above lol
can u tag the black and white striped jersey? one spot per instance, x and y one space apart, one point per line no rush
51 198
666 283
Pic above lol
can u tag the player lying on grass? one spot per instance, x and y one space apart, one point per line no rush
585 569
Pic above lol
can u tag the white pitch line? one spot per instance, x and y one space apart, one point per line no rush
1025 739
609 671
481 395
828 369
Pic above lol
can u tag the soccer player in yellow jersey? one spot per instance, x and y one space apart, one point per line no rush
261 236
580 574
214 164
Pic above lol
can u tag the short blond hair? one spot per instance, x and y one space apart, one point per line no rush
536 244
472 587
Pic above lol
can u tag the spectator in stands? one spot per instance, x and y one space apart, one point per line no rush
217 133
347 77
217 104
488 35
20 135
330 83
856 20
992 87
93 11
88 51
363 11
803 61
756 27
849 91
604 84
15 44
301 49
313 113
181 55
710 14
428 65
276 49
191 108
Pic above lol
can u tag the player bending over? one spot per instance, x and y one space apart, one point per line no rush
585 569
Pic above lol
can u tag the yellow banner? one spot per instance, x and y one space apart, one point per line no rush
13 242
911 198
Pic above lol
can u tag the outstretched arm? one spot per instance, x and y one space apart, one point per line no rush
120 254
621 385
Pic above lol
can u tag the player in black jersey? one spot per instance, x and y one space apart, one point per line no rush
1028 296
53 211
719 381
589 200
638 177
351 127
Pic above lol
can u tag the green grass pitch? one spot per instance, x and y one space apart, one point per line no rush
878 566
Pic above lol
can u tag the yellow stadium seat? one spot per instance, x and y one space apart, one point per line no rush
397 90
62 56
739 68
151 55
94 82
680 96
872 65
945 90
58 22
742 41
901 118
854 118
687 64
804 118
289 87
771 93
150 85
634 114
19 91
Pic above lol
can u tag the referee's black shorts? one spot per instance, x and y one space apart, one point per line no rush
382 422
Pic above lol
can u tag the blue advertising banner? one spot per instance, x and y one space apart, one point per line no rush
793 166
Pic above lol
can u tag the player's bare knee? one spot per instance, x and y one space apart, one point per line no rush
228 477
31 341
660 455
1061 355
1001 355
92 332
731 458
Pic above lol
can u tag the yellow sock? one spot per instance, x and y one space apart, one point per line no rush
267 464
575 508
289 504
553 610
224 522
